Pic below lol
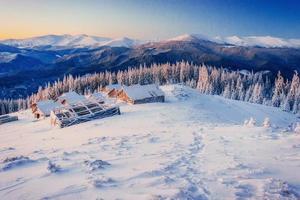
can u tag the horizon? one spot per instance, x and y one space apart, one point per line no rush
155 20
198 35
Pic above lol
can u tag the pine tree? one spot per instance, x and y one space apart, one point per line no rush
278 91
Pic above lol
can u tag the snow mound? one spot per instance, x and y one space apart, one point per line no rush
96 164
14 162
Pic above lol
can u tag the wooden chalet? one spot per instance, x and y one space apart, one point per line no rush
112 90
137 94
42 109
7 118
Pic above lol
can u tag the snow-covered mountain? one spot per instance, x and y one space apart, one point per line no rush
69 41
263 41
193 146
249 41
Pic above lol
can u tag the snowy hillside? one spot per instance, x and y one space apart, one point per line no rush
193 146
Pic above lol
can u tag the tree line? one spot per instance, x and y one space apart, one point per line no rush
237 85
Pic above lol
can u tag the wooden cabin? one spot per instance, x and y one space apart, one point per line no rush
42 109
137 94
112 90
70 98
7 118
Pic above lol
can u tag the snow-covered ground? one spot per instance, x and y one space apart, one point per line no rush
192 146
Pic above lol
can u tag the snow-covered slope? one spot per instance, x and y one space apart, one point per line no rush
192 146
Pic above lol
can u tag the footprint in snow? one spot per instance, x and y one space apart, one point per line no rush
153 140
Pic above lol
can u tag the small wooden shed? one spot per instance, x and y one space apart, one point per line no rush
137 94
112 90
42 109
70 98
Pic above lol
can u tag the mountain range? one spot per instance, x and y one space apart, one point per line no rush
83 40
68 41
27 63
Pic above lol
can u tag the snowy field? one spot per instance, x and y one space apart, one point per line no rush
192 146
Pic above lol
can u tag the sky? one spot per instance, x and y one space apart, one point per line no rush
150 19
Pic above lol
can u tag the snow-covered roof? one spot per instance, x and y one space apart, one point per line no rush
71 97
114 86
96 96
47 105
136 92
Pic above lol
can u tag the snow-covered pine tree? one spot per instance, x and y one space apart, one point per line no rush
278 91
